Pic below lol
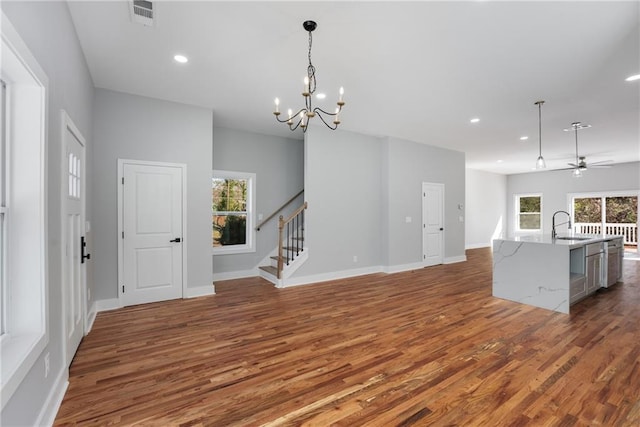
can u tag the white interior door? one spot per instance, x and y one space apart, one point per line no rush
152 232
432 223
73 266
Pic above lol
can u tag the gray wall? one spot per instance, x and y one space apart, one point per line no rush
556 185
279 167
342 186
139 128
361 188
485 207
48 31
409 165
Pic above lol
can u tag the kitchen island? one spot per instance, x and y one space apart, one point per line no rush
554 273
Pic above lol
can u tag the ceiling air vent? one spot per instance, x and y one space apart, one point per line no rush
142 12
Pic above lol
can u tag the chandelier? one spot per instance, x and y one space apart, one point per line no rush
302 117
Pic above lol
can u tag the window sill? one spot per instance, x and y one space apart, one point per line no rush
233 251
19 353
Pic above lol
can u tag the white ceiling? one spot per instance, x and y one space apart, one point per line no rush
412 70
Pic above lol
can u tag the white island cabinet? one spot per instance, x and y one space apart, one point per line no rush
551 273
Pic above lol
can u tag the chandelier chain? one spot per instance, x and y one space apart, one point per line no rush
311 70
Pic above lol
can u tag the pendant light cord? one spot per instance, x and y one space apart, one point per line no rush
540 128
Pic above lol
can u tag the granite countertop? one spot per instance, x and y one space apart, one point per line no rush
572 240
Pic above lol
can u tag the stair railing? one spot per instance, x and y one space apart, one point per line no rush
284 205
290 237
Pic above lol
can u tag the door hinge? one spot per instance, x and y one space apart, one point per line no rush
123 234
123 180
424 257
123 289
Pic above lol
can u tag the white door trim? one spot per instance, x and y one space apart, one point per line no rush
67 124
121 164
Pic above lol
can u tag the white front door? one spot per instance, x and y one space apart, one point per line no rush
152 232
73 266
432 223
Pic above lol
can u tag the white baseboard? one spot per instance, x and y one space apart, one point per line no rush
324 277
478 245
107 304
454 259
91 317
402 267
201 291
241 274
50 409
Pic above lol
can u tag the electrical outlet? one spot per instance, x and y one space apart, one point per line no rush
355 258
46 365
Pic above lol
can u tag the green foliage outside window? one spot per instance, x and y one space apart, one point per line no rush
529 213
619 210
229 207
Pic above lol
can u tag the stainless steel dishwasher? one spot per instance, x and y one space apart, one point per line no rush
612 253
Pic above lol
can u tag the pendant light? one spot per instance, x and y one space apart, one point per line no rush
540 163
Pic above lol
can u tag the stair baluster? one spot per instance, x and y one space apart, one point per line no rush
290 230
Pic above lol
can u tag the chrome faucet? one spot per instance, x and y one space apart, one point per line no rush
553 223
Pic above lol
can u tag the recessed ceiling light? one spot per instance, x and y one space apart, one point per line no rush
321 95
632 78
499 161
474 120
524 138
181 59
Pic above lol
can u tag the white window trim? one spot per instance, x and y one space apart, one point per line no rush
251 203
516 204
27 326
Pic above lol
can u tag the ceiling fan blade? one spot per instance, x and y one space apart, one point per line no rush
600 162
593 165
573 166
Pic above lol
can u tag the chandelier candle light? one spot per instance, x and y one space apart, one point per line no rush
303 116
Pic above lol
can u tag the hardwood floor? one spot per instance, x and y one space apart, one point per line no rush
427 347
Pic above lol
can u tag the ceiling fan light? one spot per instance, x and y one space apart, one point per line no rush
540 163
577 173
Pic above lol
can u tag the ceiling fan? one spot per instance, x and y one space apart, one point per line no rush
581 161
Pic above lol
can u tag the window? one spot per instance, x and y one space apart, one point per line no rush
23 215
3 200
529 212
232 201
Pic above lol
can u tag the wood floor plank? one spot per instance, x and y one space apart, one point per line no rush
425 347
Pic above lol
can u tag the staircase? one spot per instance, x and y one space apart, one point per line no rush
291 252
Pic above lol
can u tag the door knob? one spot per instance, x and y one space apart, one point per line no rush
176 240
441 228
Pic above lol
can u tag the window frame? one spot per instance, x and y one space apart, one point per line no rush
27 321
249 246
517 212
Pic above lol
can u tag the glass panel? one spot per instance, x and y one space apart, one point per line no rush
587 210
529 221
229 229
530 204
229 195
621 210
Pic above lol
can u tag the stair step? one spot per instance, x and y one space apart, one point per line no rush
269 269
